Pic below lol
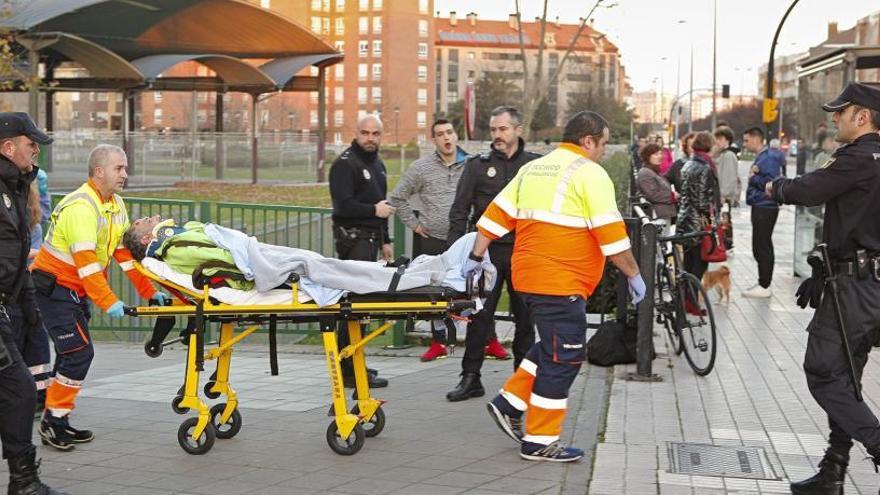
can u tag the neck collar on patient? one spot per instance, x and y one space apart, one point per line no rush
162 232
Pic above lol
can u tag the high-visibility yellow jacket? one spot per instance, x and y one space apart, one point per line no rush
85 231
563 209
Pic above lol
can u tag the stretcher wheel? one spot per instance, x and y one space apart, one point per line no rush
175 405
153 351
208 393
195 446
228 429
345 446
375 425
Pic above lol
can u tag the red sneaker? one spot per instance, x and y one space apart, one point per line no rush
436 351
494 350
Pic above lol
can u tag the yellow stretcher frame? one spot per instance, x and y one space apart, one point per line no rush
346 433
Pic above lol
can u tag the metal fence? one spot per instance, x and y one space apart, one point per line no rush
165 158
294 226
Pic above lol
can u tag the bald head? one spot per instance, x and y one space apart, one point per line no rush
369 133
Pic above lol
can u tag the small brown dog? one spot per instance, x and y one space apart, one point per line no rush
720 280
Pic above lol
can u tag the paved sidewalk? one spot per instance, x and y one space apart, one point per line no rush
429 445
756 396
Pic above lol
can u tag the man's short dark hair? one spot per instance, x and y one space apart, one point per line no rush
754 131
874 115
585 123
438 122
515 116
132 242
725 132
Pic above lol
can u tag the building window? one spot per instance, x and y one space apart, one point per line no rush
157 96
337 137
313 71
313 117
423 73
340 47
377 4
266 4
363 48
340 71
422 96
325 26
452 96
471 55
316 4
313 96
420 119
362 114
338 118
340 26
363 5
362 72
423 50
377 72
377 48
338 94
362 95
377 25
325 5
316 25
157 115
423 28
102 96
453 54
377 95
423 7
340 5
363 25
202 97
75 96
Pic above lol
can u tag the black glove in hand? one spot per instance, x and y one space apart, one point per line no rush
33 320
810 290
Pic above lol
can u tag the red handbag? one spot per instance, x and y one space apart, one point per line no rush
712 248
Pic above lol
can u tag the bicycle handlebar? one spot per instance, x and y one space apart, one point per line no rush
682 237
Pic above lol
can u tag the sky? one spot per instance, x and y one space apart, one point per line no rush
648 30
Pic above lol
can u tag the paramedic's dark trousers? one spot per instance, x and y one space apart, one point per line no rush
357 249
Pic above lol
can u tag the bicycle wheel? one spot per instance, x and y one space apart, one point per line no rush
664 306
696 323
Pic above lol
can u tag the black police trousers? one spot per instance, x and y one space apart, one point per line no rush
17 395
826 366
483 323
352 249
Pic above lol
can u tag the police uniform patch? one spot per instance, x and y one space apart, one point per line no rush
367 175
828 163
7 200
491 172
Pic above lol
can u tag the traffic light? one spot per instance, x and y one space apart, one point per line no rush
771 111
725 90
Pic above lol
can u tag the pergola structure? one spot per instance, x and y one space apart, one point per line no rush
126 45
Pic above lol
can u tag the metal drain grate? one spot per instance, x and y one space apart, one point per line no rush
716 460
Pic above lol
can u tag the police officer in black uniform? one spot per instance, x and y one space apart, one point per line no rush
484 176
848 184
358 187
19 145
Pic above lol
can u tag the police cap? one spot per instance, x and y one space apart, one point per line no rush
855 94
14 124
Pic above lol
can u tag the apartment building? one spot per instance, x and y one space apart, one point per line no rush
468 48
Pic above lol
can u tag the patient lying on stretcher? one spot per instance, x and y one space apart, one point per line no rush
222 257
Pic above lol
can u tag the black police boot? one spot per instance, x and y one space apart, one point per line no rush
24 475
469 386
829 479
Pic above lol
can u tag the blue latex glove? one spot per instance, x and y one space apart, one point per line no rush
637 288
471 266
161 299
117 310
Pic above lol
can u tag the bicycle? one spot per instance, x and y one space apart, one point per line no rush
682 306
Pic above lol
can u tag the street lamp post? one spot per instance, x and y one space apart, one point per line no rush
769 89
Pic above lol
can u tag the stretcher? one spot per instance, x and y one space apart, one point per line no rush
347 431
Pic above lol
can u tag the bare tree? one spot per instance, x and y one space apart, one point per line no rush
535 83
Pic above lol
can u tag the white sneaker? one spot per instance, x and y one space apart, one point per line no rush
758 292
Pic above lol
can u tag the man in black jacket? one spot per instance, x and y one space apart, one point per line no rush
358 187
484 176
19 145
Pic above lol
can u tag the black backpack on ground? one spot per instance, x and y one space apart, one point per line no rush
613 343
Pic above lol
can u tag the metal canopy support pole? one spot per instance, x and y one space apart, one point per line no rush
50 128
125 130
254 158
129 107
33 86
219 150
322 122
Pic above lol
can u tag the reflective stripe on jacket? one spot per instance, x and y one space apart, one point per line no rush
84 232
564 211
